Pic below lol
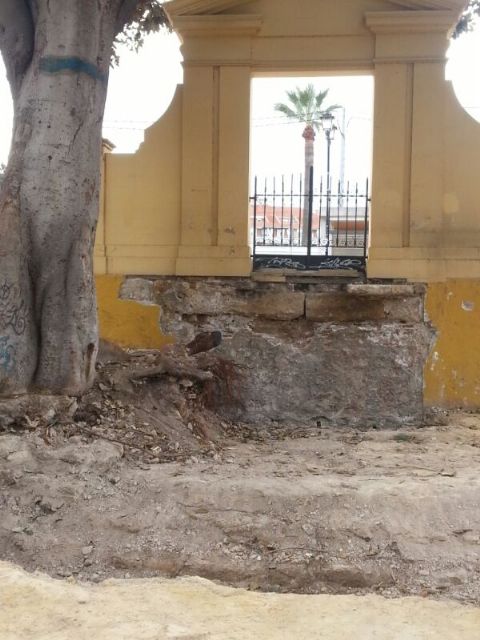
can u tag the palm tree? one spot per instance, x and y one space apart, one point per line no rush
306 106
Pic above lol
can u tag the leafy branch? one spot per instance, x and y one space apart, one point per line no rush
149 17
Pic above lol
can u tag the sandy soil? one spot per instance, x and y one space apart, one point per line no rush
39 608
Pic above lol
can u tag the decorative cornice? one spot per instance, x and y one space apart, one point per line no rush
439 5
217 25
206 7
410 21
200 7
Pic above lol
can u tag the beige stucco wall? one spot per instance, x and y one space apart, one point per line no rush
426 197
139 226
179 205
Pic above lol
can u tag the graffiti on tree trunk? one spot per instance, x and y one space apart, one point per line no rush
13 310
6 354
13 314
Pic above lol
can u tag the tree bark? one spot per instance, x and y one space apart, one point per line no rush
16 39
49 201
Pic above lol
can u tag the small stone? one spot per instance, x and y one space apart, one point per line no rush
308 529
48 505
19 457
472 538
86 551
50 415
64 573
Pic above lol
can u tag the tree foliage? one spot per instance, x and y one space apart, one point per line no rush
468 18
306 106
148 17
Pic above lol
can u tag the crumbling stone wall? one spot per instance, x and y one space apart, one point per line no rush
342 354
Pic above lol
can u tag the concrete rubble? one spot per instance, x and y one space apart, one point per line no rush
321 353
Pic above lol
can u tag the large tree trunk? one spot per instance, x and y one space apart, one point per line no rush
49 201
309 136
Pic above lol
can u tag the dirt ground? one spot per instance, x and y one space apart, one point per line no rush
333 511
143 482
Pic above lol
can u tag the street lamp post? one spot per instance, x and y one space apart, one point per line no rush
329 127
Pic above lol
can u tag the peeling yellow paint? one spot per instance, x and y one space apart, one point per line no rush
452 372
126 322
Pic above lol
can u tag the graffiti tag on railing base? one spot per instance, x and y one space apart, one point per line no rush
313 264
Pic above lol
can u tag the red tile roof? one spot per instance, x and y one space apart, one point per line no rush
270 217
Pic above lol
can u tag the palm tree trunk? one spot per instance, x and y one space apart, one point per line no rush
309 136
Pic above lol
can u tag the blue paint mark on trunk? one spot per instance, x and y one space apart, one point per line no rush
57 64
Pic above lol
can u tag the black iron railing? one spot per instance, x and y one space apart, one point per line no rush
324 226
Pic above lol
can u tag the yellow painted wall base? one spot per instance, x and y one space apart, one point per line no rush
125 322
452 372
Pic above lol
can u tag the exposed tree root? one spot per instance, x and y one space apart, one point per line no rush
167 367
152 402
179 362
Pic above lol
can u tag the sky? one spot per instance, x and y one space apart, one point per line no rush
277 145
142 87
